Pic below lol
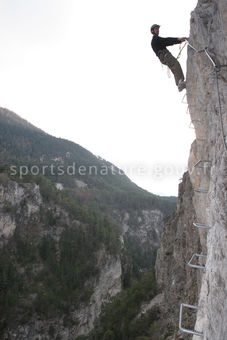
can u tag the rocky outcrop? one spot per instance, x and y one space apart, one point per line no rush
146 227
82 320
17 200
107 285
174 277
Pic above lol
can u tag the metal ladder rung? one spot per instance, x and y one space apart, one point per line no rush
201 190
185 330
201 225
202 161
197 265
213 63
201 139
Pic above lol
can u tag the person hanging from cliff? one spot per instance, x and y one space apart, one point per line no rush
159 47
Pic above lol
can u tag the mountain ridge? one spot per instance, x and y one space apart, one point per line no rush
23 143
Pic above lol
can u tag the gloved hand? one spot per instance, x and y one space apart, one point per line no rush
182 39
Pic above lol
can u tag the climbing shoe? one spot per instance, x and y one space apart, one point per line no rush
181 85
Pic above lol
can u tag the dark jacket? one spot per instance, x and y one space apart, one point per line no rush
159 43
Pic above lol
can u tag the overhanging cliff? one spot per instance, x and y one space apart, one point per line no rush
207 205
206 94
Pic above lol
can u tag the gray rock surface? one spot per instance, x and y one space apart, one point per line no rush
206 201
178 282
107 285
147 229
209 29
11 198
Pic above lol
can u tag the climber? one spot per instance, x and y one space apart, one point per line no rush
159 46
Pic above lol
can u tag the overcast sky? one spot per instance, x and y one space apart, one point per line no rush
84 70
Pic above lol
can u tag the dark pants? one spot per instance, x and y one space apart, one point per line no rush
169 60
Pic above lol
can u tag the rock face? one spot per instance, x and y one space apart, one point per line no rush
146 228
175 278
82 321
203 193
24 199
107 285
206 93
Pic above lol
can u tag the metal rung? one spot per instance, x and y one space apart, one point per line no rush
185 330
196 120
197 265
206 52
201 190
202 161
201 225
213 63
197 51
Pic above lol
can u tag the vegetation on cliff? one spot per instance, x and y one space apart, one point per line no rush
119 319
48 267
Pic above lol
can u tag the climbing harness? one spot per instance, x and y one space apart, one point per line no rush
216 69
178 56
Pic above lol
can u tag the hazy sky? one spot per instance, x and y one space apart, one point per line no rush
84 70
